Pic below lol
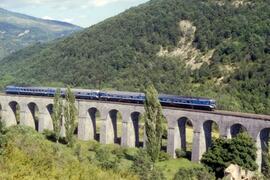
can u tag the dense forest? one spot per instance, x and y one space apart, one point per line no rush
140 46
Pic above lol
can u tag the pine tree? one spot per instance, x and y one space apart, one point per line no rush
57 116
153 119
70 116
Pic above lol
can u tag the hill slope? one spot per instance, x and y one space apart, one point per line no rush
18 31
26 154
218 49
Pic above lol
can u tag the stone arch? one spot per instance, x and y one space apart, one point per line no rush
34 110
236 129
137 129
95 123
49 108
115 125
262 146
185 134
209 127
14 112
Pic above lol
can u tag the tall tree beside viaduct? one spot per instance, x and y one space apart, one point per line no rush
57 115
70 114
153 119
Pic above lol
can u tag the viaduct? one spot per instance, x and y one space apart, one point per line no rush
229 123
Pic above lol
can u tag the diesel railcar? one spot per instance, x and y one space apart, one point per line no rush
119 96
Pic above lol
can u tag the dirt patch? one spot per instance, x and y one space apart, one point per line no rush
185 50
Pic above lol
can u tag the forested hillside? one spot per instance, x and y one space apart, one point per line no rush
18 31
218 49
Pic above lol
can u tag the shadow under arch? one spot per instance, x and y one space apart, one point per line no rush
117 125
49 108
236 129
210 127
138 128
15 107
263 146
185 126
35 113
94 114
1 115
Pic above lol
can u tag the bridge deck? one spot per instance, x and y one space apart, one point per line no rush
217 112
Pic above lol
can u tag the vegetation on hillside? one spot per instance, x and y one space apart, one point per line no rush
122 53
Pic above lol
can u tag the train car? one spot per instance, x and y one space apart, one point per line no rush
187 102
120 96
35 91
86 94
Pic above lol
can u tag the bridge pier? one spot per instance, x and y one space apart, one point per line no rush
45 119
26 116
198 145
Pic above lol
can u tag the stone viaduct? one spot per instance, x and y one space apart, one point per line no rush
229 123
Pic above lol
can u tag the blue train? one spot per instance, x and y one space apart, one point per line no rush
118 96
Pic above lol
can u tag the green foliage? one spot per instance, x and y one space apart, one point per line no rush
266 165
240 150
70 113
28 155
180 153
153 119
163 156
57 116
194 173
144 167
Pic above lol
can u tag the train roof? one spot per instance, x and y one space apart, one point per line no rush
185 97
127 93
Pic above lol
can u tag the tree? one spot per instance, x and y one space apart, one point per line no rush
240 150
70 116
57 116
153 119
144 167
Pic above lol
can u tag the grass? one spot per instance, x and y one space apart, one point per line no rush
29 155
171 167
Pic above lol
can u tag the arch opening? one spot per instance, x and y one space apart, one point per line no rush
138 128
1 115
50 108
95 122
236 129
35 114
117 125
15 107
186 136
263 148
164 140
211 132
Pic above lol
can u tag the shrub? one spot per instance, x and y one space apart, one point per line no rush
240 150
144 167
180 153
163 156
192 174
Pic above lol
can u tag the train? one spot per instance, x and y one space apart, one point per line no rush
117 96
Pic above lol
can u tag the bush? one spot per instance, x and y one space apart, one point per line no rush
163 156
192 174
145 168
180 153
240 150
106 159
